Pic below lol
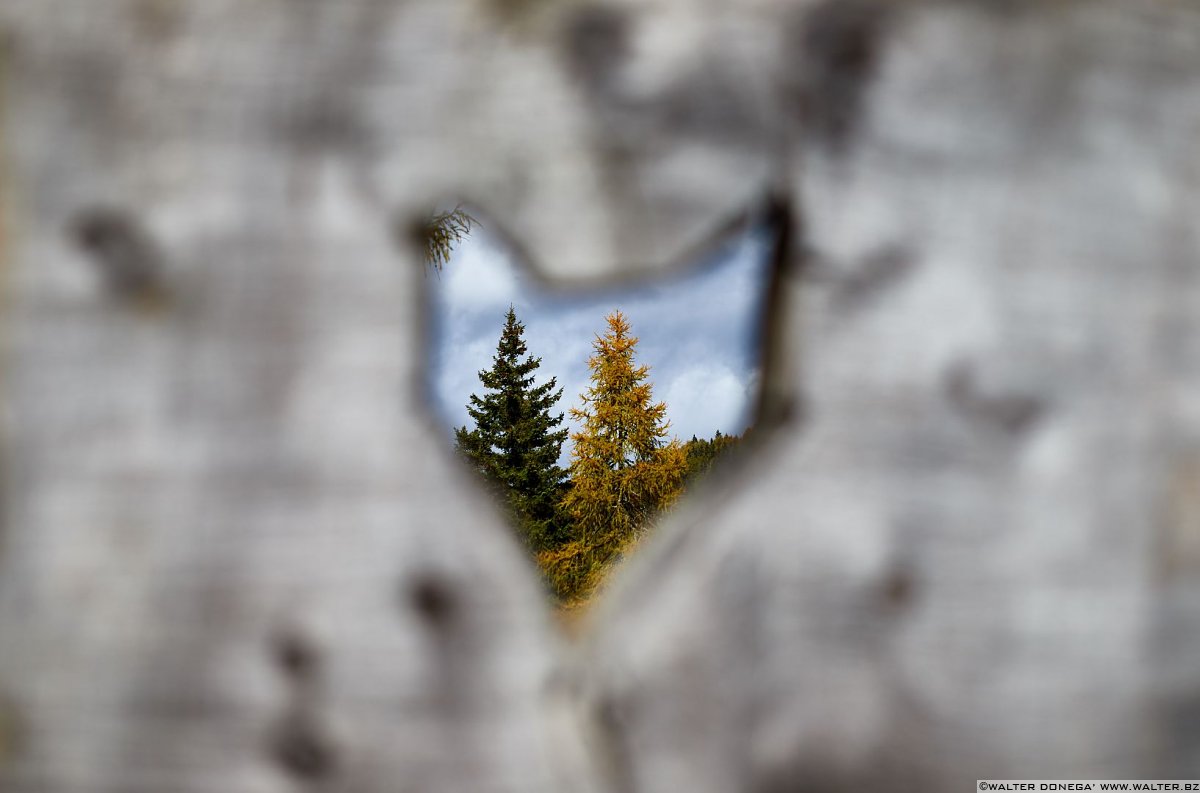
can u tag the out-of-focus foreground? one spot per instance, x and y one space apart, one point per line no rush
236 556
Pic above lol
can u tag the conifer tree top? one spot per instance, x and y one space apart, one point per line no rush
623 470
516 439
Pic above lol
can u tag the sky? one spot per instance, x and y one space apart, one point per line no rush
697 331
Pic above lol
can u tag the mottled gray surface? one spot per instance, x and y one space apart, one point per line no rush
234 556
971 551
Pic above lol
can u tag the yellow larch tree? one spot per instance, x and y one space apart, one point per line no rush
623 470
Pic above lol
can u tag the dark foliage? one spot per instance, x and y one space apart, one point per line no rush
703 454
515 444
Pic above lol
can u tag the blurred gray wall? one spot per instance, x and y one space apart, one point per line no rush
234 555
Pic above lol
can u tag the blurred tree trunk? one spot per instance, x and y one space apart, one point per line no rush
235 555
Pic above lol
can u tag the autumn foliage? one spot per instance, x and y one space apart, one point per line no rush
624 469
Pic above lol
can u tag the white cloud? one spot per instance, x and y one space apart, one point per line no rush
706 398
479 277
696 332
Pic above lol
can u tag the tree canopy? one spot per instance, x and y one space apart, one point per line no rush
623 469
703 453
516 443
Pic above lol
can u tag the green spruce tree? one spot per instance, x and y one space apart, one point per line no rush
515 444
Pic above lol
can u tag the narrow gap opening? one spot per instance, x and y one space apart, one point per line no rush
657 383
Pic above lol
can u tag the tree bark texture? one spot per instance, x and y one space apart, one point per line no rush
236 555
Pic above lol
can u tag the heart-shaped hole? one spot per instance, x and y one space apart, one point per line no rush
589 413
